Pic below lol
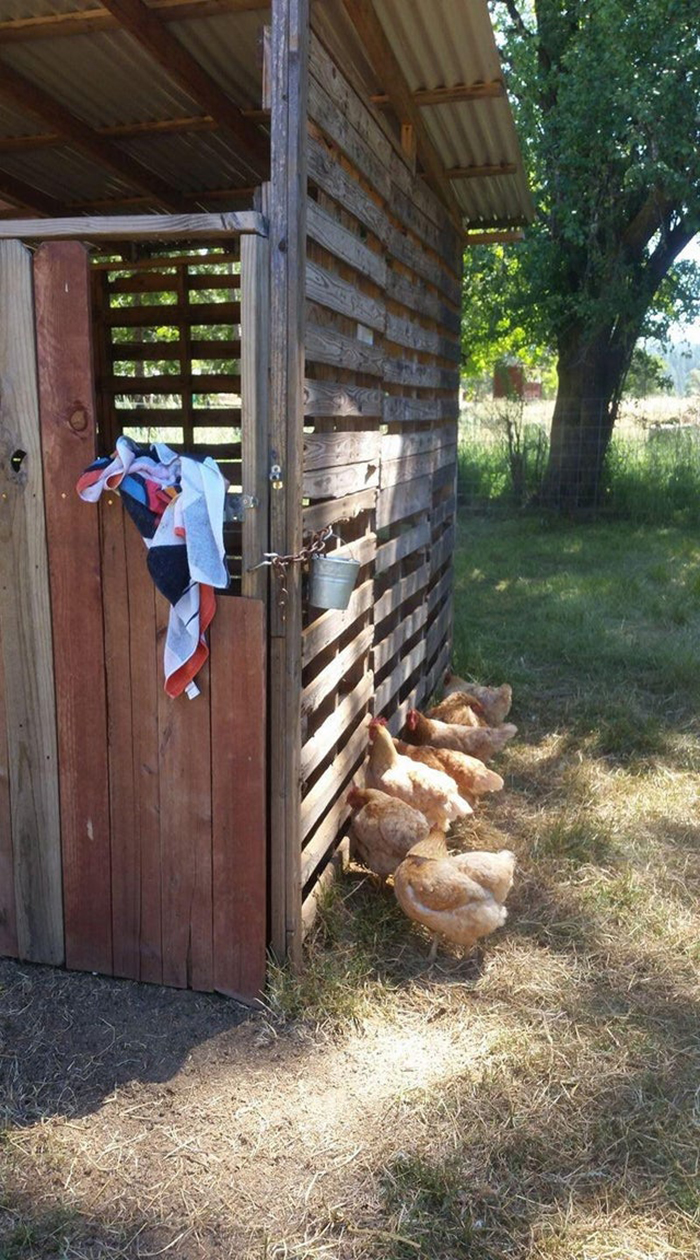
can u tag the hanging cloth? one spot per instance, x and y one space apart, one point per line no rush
177 504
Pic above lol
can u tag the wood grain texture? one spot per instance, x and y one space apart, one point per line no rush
67 412
185 830
8 919
288 196
135 227
255 374
25 626
239 796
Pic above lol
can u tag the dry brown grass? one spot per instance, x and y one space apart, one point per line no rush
538 1099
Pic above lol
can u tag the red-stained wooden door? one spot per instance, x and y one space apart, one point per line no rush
162 802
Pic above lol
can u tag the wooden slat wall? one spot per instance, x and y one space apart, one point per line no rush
381 405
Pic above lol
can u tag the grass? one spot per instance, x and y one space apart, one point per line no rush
652 472
573 1136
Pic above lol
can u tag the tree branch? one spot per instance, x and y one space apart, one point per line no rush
517 19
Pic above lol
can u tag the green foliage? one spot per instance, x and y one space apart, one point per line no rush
607 101
647 375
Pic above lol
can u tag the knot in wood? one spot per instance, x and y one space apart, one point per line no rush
78 419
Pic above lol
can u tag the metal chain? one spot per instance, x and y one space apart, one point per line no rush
316 546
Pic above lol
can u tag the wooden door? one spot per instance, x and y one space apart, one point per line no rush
162 802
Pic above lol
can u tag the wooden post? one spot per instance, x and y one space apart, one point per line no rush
25 625
289 87
255 403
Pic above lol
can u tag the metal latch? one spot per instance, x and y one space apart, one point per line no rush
276 478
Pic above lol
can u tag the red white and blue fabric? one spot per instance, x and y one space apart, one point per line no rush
177 504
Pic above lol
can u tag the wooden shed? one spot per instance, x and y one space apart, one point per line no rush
238 227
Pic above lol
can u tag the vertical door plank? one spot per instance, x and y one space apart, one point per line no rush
146 682
64 354
185 830
25 625
8 921
118 614
238 667
255 370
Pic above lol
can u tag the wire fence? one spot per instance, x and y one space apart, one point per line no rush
651 471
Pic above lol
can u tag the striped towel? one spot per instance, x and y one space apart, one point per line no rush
177 504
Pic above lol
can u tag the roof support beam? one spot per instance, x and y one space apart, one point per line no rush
27 95
481 172
28 198
148 30
389 72
84 21
450 95
125 131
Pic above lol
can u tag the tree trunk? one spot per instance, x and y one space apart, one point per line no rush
591 375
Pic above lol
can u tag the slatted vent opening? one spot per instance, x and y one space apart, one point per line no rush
168 351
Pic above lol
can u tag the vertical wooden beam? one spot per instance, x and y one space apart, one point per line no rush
25 625
289 86
255 403
67 408
8 919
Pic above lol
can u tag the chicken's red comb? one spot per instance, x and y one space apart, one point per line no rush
412 719
378 721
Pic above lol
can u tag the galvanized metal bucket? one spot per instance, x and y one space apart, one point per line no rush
332 581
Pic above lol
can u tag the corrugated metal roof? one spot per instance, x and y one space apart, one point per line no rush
107 80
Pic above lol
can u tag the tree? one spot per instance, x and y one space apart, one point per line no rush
647 375
607 96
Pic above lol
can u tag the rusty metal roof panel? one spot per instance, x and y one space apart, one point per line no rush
64 173
104 78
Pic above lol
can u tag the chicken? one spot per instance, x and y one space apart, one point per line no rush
495 701
479 741
457 896
460 708
431 791
384 828
472 777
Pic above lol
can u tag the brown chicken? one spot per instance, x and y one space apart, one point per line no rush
460 708
431 791
479 741
495 701
458 896
472 777
384 828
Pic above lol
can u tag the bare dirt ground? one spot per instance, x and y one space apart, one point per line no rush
142 1121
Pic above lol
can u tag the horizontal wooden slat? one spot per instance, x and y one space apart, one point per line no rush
443 550
320 745
401 591
323 840
424 264
330 398
337 510
443 512
386 691
344 245
404 332
398 445
325 112
204 383
407 544
396 502
136 227
325 171
418 297
439 591
438 630
327 289
173 315
333 450
321 687
324 344
399 410
327 483
333 781
387 648
150 351
333 623
436 672
400 371
445 475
